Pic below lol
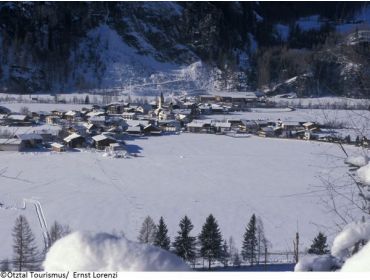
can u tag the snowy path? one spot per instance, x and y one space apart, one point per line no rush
39 213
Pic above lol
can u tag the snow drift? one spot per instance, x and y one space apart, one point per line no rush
364 174
359 262
351 234
83 251
317 263
358 161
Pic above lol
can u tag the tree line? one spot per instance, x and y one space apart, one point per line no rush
208 245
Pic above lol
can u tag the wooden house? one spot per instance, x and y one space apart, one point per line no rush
102 141
75 140
30 140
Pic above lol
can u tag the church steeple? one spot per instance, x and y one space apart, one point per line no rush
161 101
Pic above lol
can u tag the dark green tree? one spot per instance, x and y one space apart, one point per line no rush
87 99
26 256
249 249
184 244
161 238
210 241
319 246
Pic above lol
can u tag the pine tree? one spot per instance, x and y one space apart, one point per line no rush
87 99
319 246
148 231
161 238
210 241
24 247
57 231
236 259
250 242
184 243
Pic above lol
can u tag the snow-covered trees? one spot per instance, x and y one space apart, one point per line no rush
5 265
148 231
184 243
210 240
319 246
24 247
161 237
249 250
57 231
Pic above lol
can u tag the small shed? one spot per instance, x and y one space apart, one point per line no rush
30 140
57 147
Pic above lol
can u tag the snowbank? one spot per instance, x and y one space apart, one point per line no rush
351 234
359 262
82 251
364 174
357 160
317 263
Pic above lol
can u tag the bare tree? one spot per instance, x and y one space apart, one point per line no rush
148 231
26 256
57 231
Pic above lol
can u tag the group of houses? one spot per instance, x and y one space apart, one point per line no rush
106 127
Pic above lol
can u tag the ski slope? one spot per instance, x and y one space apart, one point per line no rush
174 175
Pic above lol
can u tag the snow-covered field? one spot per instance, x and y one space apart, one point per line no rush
175 175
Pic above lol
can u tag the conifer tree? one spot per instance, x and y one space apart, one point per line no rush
250 242
148 231
161 238
24 247
319 246
184 244
210 241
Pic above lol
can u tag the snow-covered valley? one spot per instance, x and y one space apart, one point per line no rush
173 176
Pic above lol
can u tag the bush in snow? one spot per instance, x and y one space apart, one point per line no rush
357 161
317 263
105 252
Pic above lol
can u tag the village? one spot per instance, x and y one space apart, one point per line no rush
106 127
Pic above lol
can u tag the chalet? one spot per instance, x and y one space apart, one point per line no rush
11 144
169 126
75 140
266 132
199 126
97 120
143 109
72 115
129 115
58 113
30 140
116 108
134 130
95 113
205 109
40 115
221 127
57 147
292 125
152 130
103 140
18 120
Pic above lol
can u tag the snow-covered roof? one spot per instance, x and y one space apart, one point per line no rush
101 137
17 117
71 137
29 136
133 129
10 141
137 122
57 145
71 113
222 124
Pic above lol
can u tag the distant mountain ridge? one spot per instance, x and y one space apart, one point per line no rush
169 46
